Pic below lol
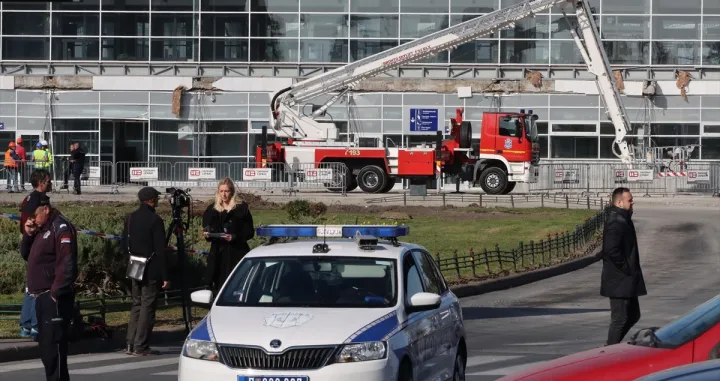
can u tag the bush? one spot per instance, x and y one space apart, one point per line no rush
303 211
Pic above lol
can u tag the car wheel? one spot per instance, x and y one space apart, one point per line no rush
405 372
459 372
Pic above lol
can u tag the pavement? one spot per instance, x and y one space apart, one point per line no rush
514 328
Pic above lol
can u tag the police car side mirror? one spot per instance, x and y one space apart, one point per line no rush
423 301
202 297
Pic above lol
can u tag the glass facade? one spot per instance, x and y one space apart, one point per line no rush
636 33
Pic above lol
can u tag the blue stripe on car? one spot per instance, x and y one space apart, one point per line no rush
376 330
201 331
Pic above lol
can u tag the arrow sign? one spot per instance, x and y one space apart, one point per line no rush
423 119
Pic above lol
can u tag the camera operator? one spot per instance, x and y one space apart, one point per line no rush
230 217
144 237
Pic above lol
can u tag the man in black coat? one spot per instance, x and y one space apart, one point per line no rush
144 236
77 164
622 279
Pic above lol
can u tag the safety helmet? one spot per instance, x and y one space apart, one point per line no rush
43 143
38 144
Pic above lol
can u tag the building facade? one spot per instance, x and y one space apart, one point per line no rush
103 72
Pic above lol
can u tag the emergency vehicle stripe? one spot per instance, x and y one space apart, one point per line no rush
376 330
202 331
209 328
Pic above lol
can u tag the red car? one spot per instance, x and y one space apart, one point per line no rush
692 338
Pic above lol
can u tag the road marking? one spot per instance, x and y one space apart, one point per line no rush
169 373
505 371
482 360
548 343
37 364
126 366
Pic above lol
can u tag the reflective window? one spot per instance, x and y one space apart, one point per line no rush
565 53
626 27
673 7
172 25
432 282
319 282
710 148
374 26
360 49
518 51
324 50
224 49
324 6
124 5
508 3
560 26
80 49
625 6
224 5
26 48
571 147
711 28
676 53
25 5
536 27
172 6
172 49
473 6
274 50
26 23
583 128
678 28
415 26
424 6
478 51
675 129
375 6
441 57
274 6
225 25
711 53
76 24
627 52
274 25
125 24
711 7
413 281
319 25
125 49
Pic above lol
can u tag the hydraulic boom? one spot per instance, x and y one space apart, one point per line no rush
288 122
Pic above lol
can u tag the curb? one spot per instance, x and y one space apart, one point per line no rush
21 350
522 279
28 350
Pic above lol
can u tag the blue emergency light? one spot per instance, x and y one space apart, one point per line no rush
332 231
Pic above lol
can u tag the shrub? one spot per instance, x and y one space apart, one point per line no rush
303 211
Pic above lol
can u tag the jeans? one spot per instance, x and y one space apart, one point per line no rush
12 180
28 317
624 313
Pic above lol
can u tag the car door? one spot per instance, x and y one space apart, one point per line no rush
442 346
509 138
419 327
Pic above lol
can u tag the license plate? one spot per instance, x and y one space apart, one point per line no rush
273 378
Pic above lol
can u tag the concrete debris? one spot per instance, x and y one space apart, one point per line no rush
177 100
535 77
683 80
619 80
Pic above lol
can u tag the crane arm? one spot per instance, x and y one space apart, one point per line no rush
285 119
585 34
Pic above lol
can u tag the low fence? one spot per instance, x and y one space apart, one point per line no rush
522 200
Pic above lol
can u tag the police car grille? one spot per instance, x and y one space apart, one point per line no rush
255 358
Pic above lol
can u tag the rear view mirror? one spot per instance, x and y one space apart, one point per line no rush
423 301
202 297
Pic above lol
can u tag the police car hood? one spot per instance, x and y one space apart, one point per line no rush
258 326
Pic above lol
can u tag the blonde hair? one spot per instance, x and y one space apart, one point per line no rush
233 196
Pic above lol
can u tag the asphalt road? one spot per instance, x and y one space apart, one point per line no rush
511 329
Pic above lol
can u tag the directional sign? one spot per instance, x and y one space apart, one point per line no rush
640 175
698 177
423 119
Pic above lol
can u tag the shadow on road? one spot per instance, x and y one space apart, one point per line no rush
511 312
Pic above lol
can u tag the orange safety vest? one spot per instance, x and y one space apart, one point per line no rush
9 160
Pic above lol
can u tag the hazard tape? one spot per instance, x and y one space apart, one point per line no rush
111 237
672 174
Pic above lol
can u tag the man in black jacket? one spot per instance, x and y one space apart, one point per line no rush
49 245
622 279
77 164
144 236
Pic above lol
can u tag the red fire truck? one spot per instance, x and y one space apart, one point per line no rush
508 150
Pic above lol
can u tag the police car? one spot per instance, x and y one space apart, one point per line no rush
351 303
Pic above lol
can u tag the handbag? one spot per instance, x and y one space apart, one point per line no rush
138 265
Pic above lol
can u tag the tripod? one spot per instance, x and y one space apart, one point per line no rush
178 226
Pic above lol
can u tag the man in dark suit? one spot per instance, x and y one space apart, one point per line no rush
622 279
144 236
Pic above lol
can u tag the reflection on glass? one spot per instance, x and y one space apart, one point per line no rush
523 51
25 23
274 25
374 26
76 24
673 7
274 6
26 48
375 6
324 50
360 49
711 53
172 25
626 27
415 26
676 28
627 52
224 5
125 49
473 6
80 49
536 27
224 25
224 49
675 53
172 49
125 24
314 25
274 50
565 53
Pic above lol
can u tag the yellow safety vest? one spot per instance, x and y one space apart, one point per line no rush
43 158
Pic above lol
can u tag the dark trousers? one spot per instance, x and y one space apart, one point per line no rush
624 313
142 314
76 171
54 323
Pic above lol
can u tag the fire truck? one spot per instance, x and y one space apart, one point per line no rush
508 150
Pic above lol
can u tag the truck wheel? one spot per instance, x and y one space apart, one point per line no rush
493 180
372 179
389 185
465 135
509 188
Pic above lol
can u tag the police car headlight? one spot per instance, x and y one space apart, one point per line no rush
373 350
201 350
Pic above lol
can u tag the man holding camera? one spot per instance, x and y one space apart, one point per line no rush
144 239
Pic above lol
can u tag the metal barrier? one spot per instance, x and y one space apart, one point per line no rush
274 176
199 174
140 174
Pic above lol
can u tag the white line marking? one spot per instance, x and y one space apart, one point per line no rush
126 366
504 371
169 373
482 360
37 364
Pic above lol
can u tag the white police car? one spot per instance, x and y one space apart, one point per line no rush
329 309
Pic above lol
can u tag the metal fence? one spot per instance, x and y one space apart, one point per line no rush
297 177
557 247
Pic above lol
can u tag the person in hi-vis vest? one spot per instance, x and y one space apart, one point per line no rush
10 165
42 157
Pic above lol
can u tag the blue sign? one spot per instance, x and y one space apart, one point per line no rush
423 119
2 126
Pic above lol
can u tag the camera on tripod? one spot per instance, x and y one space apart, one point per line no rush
178 198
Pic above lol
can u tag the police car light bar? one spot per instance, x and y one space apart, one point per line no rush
332 231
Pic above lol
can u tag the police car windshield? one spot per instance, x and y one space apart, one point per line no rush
692 325
328 282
